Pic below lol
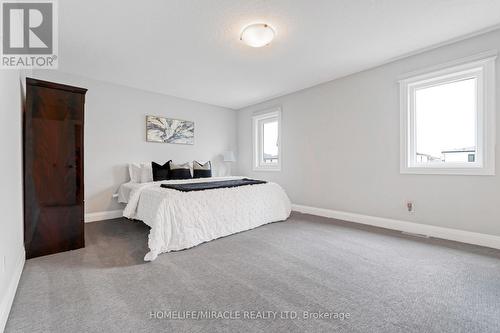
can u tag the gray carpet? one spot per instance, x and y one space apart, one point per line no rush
385 281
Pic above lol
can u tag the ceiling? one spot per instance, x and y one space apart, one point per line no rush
191 48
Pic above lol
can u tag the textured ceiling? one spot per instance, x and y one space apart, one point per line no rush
191 48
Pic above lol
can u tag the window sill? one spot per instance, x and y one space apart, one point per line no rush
448 171
266 169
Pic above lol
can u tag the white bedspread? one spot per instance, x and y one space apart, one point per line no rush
125 189
180 220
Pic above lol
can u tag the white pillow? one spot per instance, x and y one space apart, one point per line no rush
134 171
146 173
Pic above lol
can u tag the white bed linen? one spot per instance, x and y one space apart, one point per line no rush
180 220
124 191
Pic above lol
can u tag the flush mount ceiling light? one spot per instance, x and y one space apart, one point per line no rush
257 34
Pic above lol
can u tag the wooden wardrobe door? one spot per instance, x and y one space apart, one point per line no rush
53 170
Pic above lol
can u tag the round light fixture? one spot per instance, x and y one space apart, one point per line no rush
257 34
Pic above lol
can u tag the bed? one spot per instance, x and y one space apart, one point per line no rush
180 220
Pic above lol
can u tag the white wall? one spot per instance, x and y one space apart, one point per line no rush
11 200
115 134
341 149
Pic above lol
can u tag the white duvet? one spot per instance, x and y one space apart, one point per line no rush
180 220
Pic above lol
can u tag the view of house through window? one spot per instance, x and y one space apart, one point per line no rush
270 142
445 122
267 140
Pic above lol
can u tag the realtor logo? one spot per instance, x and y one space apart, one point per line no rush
29 34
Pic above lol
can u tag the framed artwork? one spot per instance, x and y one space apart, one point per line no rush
167 130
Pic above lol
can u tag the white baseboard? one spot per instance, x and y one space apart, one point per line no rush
463 236
8 299
100 216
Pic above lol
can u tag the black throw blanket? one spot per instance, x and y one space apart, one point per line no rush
212 185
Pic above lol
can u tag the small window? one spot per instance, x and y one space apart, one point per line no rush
448 120
267 140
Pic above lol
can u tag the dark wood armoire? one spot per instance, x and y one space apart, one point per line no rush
53 168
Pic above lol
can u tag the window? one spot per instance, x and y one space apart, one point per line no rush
448 119
267 140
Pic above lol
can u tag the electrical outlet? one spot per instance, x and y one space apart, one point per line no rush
410 206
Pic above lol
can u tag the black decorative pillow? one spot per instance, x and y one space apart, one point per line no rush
160 172
202 170
179 171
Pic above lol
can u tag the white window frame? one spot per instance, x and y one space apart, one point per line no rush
258 121
481 67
